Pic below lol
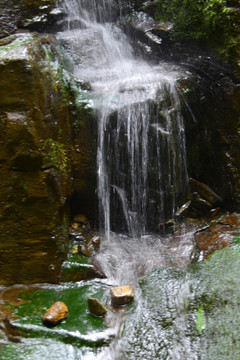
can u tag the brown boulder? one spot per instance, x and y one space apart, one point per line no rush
90 246
122 295
55 314
96 307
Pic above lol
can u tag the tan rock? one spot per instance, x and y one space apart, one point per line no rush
55 314
122 295
75 249
96 307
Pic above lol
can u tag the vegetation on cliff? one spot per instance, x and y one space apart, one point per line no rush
213 21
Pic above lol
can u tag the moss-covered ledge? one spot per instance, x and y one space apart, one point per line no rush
37 156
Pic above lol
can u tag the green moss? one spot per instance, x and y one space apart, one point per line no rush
75 93
69 340
55 155
179 305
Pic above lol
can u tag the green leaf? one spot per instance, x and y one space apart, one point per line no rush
200 320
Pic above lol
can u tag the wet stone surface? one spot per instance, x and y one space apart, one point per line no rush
186 314
218 235
96 307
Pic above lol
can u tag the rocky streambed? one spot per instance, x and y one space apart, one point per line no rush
183 306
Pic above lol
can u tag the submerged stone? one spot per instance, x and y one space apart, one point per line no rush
122 295
96 307
55 314
189 312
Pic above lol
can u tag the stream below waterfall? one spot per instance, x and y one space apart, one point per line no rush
142 182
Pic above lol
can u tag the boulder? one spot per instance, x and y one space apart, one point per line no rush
55 314
122 295
96 307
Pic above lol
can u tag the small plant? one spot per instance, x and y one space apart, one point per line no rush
55 154
200 321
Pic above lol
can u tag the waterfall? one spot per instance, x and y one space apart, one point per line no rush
141 160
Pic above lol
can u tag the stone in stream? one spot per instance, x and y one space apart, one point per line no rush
55 314
122 295
96 307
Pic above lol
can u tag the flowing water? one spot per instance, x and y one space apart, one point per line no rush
141 160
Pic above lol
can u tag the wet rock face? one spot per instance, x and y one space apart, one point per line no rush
37 157
29 14
33 193
212 118
218 235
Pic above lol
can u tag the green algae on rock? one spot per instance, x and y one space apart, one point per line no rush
79 335
188 314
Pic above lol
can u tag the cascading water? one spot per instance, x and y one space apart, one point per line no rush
141 158
142 175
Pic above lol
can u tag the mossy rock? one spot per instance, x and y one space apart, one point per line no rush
194 306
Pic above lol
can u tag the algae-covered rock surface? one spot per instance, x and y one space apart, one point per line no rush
23 336
187 314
